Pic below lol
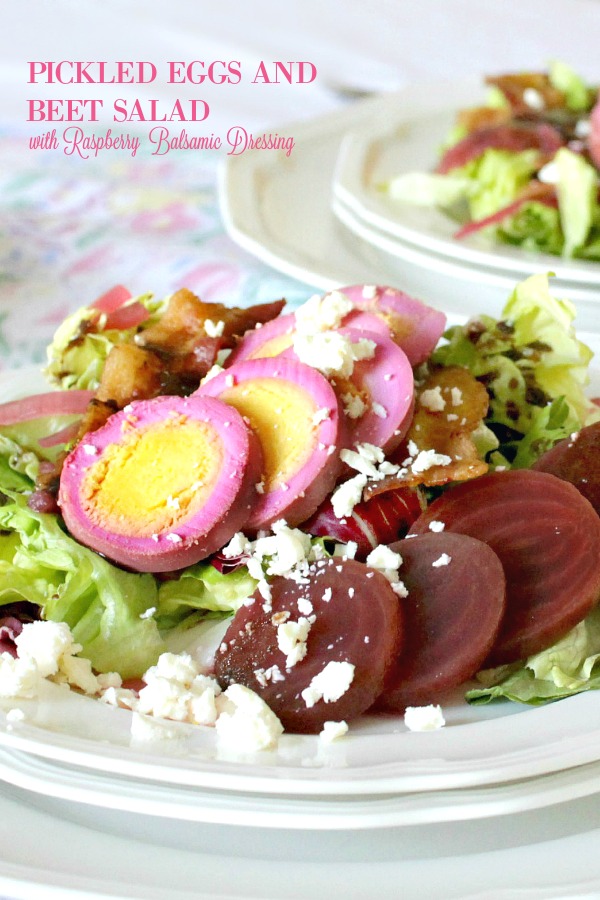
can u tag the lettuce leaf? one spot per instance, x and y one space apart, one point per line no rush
102 604
202 587
534 367
569 667
566 80
79 349
577 189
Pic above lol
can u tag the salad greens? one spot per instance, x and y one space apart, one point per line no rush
535 370
80 346
543 199
534 367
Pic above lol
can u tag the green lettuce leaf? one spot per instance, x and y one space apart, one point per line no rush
566 79
534 367
102 604
535 226
202 587
577 189
78 350
497 177
569 667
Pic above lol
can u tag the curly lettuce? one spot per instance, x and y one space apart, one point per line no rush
81 344
534 368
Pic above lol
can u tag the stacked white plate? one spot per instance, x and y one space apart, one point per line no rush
321 214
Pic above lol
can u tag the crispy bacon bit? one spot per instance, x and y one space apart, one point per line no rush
516 88
185 320
446 429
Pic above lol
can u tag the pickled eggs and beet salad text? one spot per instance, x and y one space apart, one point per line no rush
523 167
304 515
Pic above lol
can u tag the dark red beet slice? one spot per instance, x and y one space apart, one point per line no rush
357 621
547 537
454 607
577 460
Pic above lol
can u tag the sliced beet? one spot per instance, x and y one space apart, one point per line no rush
455 603
357 622
577 460
547 536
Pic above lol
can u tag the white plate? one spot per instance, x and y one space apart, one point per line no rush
280 209
56 851
478 746
400 138
183 808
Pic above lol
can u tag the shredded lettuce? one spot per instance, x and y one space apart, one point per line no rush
569 667
577 189
203 587
78 351
566 80
494 179
102 604
534 367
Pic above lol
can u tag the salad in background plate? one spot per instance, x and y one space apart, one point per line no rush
523 167
282 580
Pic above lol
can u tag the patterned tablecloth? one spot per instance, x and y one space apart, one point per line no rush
72 228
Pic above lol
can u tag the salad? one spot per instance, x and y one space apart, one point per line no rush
265 520
523 167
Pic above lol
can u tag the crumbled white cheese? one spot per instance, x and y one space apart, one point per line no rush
534 99
245 721
214 329
548 174
45 643
146 730
442 560
322 313
436 525
213 372
291 639
354 405
347 495
331 352
321 415
18 677
426 459
332 731
329 684
456 395
379 410
432 399
424 718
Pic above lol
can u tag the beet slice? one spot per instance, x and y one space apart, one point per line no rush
294 412
576 459
357 622
163 484
547 536
455 603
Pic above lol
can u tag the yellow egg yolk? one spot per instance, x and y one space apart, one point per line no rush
273 347
154 478
281 414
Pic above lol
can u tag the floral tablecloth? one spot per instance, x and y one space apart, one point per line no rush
70 229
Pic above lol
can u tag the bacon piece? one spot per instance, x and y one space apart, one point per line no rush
446 431
516 86
515 138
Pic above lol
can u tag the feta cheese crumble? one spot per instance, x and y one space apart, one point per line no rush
329 684
424 718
